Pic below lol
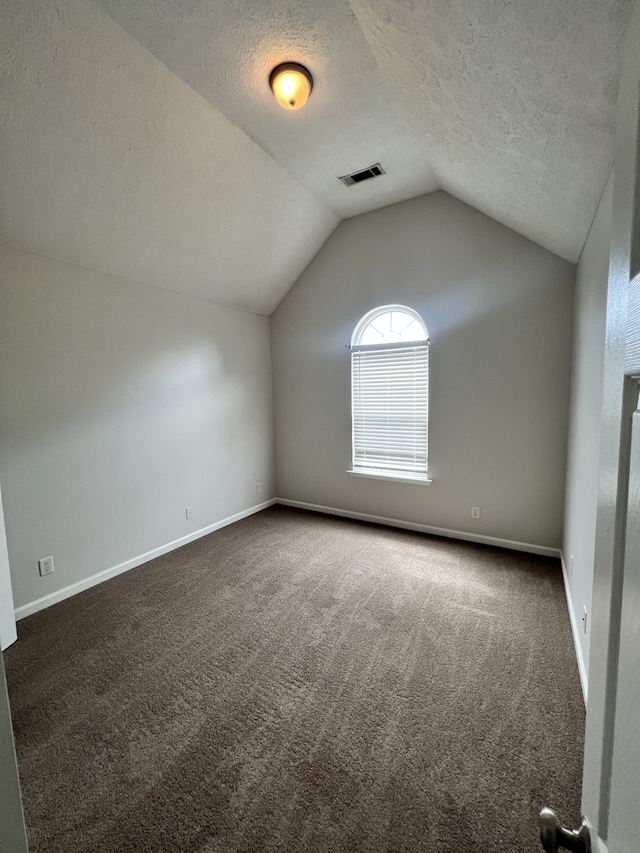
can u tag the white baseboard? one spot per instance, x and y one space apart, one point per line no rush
87 583
575 631
480 538
99 577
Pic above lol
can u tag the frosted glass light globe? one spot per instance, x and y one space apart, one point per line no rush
291 84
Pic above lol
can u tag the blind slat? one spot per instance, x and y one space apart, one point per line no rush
390 409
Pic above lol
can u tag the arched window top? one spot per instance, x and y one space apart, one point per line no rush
390 395
389 324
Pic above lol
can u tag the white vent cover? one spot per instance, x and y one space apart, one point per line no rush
363 175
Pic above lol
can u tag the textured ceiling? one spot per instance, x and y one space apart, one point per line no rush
139 137
225 50
515 98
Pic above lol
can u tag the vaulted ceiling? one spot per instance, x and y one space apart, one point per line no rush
140 137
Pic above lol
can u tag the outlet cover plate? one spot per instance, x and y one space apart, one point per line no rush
45 566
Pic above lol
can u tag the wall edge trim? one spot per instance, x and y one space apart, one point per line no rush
480 538
575 632
79 586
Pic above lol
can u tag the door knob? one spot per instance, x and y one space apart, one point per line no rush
554 835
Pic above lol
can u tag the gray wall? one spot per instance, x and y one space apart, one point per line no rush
498 309
585 421
121 405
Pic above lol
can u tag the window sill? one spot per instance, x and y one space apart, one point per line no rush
414 479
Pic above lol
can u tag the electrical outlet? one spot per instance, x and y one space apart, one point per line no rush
45 566
584 619
475 512
258 487
189 513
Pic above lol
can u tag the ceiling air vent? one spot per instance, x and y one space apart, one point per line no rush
364 175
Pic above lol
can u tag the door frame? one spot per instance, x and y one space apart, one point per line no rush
620 397
8 632
13 838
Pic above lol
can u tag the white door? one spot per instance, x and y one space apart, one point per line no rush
611 783
7 618
624 798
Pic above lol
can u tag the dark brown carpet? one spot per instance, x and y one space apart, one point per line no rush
296 682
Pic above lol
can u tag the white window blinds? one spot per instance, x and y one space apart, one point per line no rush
390 410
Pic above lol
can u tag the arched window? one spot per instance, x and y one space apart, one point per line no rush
390 394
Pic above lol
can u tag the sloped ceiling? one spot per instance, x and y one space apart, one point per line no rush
112 162
140 138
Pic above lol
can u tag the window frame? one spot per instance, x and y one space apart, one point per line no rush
416 346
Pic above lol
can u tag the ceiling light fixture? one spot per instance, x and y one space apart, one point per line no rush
291 84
